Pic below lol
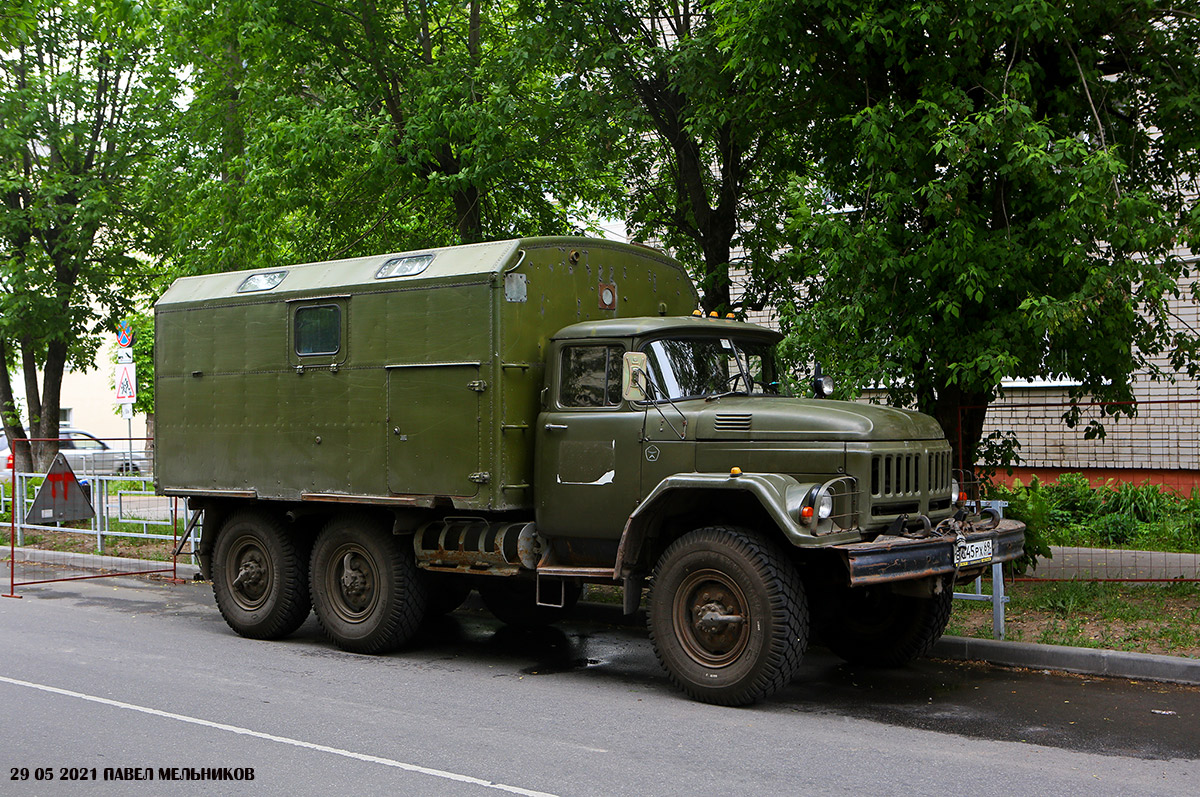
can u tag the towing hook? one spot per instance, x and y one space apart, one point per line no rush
993 519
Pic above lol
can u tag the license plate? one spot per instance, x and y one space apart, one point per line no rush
973 553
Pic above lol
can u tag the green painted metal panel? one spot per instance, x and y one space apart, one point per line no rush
434 447
234 413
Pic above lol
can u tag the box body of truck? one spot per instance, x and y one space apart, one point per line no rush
411 383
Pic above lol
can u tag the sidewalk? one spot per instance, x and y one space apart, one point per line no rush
1114 563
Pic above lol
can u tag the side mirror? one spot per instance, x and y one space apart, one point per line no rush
633 376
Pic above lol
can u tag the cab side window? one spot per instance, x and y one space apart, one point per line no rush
591 376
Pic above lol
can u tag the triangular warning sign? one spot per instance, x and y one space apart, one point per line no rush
125 387
60 498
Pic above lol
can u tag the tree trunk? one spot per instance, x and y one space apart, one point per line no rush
961 414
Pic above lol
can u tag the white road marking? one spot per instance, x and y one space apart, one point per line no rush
374 759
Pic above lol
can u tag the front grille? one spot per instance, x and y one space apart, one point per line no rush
731 422
905 474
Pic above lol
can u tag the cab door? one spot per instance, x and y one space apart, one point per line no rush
588 461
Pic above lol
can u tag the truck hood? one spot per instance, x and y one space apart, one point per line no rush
777 418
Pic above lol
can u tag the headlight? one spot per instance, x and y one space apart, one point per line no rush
824 505
954 495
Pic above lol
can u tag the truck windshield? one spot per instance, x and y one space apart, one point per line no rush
682 368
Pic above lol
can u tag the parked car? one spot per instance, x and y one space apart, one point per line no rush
87 455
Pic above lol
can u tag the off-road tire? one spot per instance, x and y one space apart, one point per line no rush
366 589
876 627
271 599
729 572
513 602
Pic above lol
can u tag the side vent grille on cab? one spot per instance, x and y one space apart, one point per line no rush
731 422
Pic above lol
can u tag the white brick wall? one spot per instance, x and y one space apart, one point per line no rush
1159 436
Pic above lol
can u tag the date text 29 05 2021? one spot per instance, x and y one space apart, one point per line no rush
131 773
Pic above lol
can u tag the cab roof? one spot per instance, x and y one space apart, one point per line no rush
664 325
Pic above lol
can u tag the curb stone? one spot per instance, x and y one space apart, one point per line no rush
1088 661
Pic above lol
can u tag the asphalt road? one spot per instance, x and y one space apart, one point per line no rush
130 674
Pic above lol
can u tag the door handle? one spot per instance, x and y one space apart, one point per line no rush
555 427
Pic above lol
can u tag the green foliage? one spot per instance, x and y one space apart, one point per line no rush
85 99
1071 512
1031 506
1073 494
706 151
994 190
1146 502
326 130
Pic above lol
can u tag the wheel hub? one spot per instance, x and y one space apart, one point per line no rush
250 575
711 618
252 585
354 581
353 578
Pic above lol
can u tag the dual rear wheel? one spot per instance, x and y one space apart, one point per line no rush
361 579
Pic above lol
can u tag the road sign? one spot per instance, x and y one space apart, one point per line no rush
60 498
124 356
126 382
125 334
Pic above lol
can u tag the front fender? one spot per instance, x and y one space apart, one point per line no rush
779 496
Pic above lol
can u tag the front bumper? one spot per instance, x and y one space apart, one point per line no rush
893 558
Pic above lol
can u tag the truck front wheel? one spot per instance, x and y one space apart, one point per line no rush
259 577
728 616
877 627
366 589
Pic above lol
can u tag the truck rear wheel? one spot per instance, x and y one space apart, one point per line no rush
366 589
259 576
875 626
728 616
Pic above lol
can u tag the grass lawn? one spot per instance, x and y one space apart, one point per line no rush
1146 618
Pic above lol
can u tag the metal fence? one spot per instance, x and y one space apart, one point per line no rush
132 532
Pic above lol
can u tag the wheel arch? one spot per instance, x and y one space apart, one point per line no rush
685 502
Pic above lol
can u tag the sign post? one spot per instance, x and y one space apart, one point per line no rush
126 380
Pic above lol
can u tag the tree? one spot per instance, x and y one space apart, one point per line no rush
82 94
323 130
708 160
997 190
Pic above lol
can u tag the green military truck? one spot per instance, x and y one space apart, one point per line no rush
373 438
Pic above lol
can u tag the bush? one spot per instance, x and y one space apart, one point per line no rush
1073 494
1071 512
1031 506
1114 530
1146 502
